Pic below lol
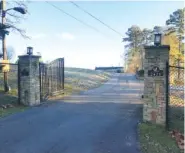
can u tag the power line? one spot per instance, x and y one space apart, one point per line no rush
75 18
95 18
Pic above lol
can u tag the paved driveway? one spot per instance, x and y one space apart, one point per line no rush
102 120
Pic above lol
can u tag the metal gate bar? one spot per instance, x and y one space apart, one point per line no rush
174 97
51 78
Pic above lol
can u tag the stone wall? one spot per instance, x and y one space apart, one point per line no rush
29 80
154 108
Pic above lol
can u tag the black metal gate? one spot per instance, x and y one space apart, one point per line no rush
51 78
175 98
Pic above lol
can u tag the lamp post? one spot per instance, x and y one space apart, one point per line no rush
4 32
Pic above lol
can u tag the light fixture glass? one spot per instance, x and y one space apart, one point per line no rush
29 50
157 39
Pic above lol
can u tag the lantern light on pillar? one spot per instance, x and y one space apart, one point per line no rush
29 50
157 39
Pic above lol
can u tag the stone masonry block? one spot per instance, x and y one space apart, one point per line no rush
29 80
154 86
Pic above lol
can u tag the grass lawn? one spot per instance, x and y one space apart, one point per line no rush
10 98
176 118
76 80
176 113
8 111
155 139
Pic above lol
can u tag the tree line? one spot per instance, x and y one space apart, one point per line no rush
172 34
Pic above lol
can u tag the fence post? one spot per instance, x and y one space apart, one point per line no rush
167 96
18 74
63 75
40 79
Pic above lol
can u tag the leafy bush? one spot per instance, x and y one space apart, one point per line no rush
140 73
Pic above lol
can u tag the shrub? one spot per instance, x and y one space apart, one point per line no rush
140 73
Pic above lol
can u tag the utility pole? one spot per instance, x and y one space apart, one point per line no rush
4 43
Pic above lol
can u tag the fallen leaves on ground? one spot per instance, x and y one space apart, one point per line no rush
179 138
155 139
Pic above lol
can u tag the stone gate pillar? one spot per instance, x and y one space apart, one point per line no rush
29 93
154 108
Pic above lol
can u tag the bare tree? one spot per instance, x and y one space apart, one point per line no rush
13 18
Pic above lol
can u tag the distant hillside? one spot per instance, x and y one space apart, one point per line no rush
84 79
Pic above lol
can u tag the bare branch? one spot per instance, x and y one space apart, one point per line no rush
14 15
14 29
21 32
14 18
10 22
21 3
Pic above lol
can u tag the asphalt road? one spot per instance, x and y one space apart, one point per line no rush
102 120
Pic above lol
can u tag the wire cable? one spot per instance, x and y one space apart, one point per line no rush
95 18
75 18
